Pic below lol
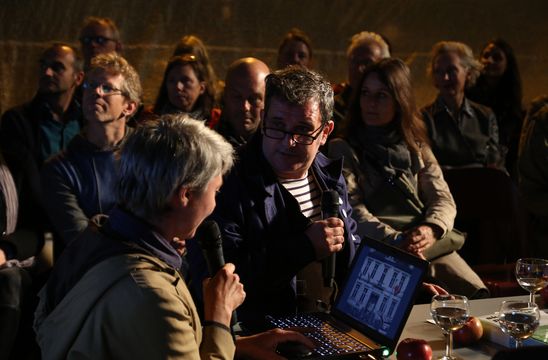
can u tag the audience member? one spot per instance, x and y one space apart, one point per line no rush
269 208
17 282
116 293
99 36
32 132
533 173
193 45
462 132
295 49
183 89
365 49
80 182
499 87
243 100
395 185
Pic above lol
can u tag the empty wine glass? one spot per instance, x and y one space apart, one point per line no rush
532 275
519 319
450 313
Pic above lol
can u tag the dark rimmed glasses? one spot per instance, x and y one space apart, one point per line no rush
303 139
99 40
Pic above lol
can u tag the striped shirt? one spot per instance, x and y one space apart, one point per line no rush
308 195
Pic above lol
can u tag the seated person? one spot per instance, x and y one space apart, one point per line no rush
184 89
395 184
462 133
365 49
80 182
243 100
116 292
99 36
533 173
269 207
18 280
295 49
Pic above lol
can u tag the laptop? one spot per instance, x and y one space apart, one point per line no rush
371 309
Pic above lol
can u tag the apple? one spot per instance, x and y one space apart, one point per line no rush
469 333
413 349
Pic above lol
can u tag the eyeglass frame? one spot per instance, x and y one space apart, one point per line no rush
98 39
310 136
87 85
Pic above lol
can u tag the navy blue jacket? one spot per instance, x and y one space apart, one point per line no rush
263 232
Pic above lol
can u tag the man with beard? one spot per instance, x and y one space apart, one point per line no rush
34 131
79 182
243 100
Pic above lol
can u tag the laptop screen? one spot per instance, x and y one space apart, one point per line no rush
380 290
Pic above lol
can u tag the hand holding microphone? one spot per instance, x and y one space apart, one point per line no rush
223 293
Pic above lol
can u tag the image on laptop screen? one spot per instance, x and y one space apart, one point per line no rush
379 289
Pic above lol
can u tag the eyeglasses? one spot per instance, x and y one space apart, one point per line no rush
303 139
99 40
104 89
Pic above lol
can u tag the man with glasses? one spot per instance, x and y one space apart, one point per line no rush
99 36
80 182
32 132
269 208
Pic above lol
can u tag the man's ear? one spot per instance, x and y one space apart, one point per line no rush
78 78
202 87
130 109
327 130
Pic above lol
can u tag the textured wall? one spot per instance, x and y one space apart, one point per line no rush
236 28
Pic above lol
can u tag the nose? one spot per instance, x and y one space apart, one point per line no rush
180 85
361 68
446 76
247 105
290 141
48 71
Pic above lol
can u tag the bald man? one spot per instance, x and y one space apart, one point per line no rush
243 100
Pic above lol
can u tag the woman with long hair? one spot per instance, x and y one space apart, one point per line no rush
395 184
499 87
183 89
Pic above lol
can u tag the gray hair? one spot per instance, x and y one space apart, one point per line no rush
165 154
465 54
115 64
297 85
368 38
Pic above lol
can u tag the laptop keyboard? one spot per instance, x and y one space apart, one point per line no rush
329 340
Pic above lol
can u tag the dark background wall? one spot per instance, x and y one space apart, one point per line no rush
237 28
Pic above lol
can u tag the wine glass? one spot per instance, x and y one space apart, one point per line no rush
519 319
450 313
532 275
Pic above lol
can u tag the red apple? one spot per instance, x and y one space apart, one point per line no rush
470 333
413 349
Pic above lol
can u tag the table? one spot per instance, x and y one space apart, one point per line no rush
417 327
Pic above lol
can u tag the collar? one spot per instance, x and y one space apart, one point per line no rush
133 229
326 171
441 107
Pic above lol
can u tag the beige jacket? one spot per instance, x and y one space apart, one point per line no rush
431 189
129 307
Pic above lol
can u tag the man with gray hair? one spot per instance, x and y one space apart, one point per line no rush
269 208
365 49
116 293
79 182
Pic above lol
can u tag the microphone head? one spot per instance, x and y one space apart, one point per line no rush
209 235
330 203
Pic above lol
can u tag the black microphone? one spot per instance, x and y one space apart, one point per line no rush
209 239
330 208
